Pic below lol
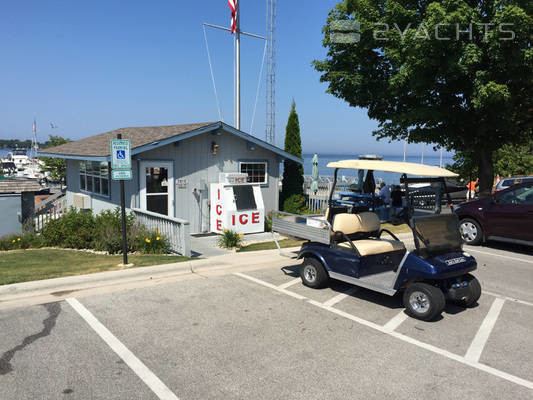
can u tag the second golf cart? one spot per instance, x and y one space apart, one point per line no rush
348 244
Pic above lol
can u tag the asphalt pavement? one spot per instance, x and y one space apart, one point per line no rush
257 333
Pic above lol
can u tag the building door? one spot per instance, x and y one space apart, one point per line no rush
157 187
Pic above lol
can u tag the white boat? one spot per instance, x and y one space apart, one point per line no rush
18 164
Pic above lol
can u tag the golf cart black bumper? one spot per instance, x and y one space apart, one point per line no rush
458 291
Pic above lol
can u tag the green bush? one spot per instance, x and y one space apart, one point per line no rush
230 239
295 204
102 232
20 241
74 230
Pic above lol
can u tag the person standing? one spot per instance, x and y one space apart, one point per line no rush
471 189
384 193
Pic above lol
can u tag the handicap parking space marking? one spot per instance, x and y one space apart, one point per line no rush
480 340
387 330
468 248
289 283
395 321
511 299
341 296
137 366
271 286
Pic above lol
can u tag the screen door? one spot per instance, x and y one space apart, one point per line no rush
157 187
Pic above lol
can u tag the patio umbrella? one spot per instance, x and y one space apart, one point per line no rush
314 174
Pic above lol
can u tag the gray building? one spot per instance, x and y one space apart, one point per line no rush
184 159
17 203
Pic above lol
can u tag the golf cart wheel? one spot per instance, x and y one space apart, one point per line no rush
423 301
471 231
313 273
474 289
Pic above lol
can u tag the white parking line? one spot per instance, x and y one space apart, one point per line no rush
341 296
527 303
478 344
271 286
142 371
395 321
498 255
290 283
445 353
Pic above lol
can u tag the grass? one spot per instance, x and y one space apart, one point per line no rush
272 245
31 265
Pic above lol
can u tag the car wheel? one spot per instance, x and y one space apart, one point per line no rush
313 273
474 289
471 231
423 301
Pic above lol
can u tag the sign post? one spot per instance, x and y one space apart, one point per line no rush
121 170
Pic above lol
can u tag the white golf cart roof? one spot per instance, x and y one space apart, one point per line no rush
394 166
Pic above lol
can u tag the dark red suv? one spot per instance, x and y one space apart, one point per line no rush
506 216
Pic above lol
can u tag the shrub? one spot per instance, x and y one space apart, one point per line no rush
151 242
20 241
295 204
230 239
74 230
108 231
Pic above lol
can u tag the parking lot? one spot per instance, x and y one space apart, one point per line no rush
260 334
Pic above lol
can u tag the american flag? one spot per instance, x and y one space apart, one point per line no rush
232 4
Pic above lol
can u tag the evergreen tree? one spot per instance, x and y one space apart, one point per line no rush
292 171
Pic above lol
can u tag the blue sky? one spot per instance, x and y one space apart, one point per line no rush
90 67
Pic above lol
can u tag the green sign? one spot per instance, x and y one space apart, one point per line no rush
121 174
120 154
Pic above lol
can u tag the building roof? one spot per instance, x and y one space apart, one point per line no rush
19 185
97 147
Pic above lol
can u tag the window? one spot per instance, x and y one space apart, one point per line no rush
523 195
256 170
244 197
94 177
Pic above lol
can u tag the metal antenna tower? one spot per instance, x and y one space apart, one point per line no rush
270 130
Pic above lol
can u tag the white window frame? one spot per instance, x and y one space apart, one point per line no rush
265 182
142 182
93 175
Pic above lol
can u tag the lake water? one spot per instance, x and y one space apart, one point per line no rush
388 177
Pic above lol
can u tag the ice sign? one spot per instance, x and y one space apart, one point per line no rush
120 154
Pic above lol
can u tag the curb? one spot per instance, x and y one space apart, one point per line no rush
17 291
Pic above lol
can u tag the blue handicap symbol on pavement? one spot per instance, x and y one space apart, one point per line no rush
121 154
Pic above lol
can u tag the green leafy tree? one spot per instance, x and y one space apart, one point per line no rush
56 166
424 79
293 179
510 160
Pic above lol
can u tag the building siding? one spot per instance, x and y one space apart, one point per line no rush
193 162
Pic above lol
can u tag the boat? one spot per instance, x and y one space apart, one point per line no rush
18 164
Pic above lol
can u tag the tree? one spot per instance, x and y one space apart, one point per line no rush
458 73
56 166
293 179
510 160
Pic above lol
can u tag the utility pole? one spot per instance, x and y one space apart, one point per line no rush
270 130
237 67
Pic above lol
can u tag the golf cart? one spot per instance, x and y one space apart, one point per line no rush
348 244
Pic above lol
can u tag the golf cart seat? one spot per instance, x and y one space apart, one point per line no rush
363 231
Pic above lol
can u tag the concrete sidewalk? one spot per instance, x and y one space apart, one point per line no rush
57 288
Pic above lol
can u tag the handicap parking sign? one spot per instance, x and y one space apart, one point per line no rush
120 154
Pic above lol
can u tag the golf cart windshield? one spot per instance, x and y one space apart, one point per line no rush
435 234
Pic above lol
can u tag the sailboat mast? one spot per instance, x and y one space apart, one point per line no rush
237 66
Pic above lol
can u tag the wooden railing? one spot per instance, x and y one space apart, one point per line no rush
176 230
50 208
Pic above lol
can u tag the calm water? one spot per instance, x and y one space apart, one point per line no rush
388 177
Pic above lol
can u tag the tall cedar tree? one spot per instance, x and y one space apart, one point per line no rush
471 92
293 179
